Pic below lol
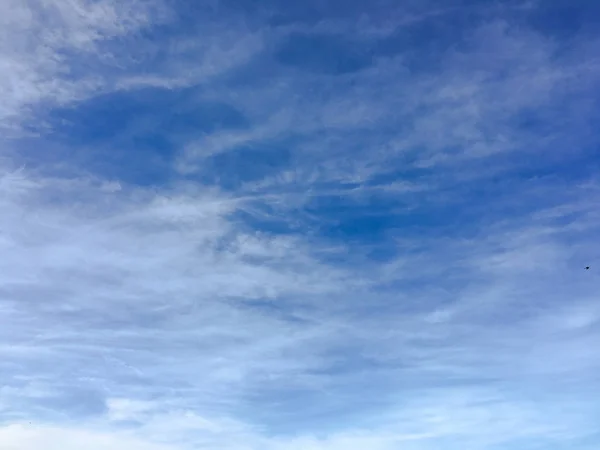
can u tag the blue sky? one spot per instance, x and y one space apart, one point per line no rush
286 225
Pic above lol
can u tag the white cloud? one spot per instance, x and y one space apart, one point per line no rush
134 290
40 40
120 409
136 298
464 108
156 318
29 437
56 52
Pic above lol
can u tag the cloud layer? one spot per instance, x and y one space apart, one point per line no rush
302 226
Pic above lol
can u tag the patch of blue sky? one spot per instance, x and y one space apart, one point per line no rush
133 136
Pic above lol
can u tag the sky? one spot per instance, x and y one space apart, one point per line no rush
299 225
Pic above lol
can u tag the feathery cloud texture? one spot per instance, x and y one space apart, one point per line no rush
299 225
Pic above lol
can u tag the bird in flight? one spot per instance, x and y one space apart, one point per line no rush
587 267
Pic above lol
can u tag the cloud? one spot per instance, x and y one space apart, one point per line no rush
461 108
144 291
55 53
21 437
41 42
286 229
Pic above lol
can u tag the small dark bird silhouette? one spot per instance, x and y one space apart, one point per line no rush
587 268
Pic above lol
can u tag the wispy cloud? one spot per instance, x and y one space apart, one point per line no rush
48 48
309 226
